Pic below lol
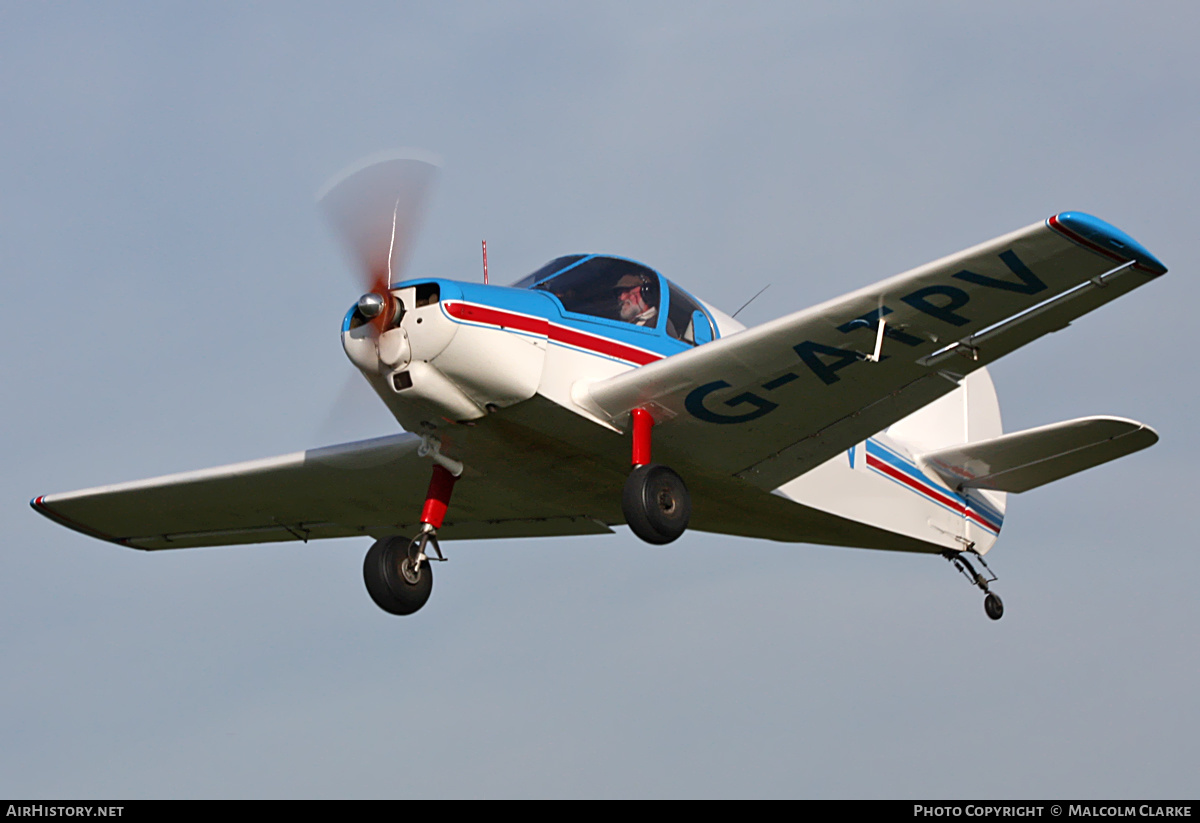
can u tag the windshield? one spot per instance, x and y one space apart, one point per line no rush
557 264
607 287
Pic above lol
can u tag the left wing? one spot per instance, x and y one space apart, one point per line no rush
772 402
372 487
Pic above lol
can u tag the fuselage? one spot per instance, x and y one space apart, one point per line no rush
458 351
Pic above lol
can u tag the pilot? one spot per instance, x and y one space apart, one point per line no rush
637 299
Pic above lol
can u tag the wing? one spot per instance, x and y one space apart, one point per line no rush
770 403
373 487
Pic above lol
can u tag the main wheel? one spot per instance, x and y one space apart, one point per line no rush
656 504
396 583
993 605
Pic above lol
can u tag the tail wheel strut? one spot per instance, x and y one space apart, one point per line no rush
993 606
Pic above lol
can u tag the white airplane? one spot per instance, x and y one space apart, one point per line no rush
869 420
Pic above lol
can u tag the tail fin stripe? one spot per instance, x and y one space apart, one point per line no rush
902 471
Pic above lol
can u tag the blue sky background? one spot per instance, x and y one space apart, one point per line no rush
172 301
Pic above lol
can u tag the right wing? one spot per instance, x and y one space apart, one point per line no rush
372 487
770 403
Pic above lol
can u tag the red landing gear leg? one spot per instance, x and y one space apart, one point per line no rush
655 501
396 570
643 422
437 500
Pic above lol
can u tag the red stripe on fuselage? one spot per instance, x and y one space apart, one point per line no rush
913 483
496 317
560 334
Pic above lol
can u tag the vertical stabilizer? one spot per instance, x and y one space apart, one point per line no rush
884 483
968 414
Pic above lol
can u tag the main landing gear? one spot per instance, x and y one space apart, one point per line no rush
397 574
655 501
396 570
993 606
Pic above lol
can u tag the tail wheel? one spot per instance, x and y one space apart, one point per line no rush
656 504
993 606
396 580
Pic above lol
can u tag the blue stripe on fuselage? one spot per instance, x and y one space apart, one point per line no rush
542 304
994 517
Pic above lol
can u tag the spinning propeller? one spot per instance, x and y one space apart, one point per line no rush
376 209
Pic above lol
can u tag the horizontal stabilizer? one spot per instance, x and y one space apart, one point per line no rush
1027 459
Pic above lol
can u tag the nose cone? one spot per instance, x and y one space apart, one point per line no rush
371 305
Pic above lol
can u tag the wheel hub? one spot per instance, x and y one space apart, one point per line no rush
666 502
410 570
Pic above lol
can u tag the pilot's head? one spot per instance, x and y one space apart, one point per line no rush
635 298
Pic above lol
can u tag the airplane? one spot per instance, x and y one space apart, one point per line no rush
595 392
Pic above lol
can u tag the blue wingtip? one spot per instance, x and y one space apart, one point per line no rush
1106 239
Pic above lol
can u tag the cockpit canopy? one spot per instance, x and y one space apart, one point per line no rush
623 291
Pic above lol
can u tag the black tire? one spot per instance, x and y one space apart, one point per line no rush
656 504
388 571
994 606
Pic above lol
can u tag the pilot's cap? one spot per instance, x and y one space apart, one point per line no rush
632 280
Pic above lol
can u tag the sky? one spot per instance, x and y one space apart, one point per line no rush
172 301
